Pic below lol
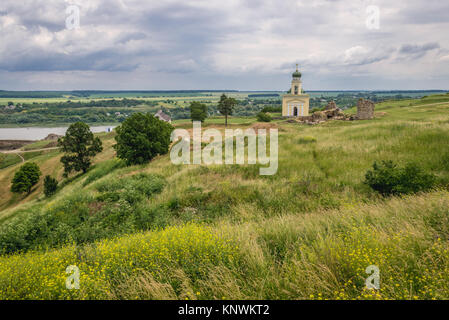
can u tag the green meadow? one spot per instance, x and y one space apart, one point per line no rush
165 231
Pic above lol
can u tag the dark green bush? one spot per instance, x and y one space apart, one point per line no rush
25 178
50 186
263 117
389 179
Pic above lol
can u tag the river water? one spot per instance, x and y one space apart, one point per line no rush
36 133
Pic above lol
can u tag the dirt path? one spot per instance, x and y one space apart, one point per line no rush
18 151
34 150
23 159
430 104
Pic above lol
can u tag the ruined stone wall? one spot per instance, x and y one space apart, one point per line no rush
365 109
331 105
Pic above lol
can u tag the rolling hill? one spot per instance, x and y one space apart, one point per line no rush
161 231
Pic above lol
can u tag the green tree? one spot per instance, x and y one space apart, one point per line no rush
198 111
80 146
25 178
226 106
263 117
50 186
141 137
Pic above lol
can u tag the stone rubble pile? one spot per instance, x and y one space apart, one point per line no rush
365 110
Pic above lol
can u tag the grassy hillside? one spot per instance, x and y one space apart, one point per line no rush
165 231
49 164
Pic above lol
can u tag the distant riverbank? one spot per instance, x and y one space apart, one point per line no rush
38 133
55 125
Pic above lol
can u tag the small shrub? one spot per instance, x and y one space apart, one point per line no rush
306 140
389 179
263 117
50 186
25 178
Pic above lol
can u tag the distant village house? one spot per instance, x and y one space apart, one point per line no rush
162 116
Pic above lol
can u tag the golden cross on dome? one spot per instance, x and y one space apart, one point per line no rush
297 67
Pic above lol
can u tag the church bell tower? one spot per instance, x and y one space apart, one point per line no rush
296 82
296 102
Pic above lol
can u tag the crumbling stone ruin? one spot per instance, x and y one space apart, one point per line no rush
331 106
319 116
365 109
331 111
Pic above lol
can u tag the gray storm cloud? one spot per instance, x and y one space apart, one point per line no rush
241 44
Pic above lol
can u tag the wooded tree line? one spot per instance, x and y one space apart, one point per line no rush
103 111
70 112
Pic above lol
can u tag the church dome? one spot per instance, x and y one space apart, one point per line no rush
296 74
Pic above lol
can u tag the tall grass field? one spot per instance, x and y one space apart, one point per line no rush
193 232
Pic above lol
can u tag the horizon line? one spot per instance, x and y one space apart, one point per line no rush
230 90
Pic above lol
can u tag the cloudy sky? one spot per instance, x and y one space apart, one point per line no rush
225 44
